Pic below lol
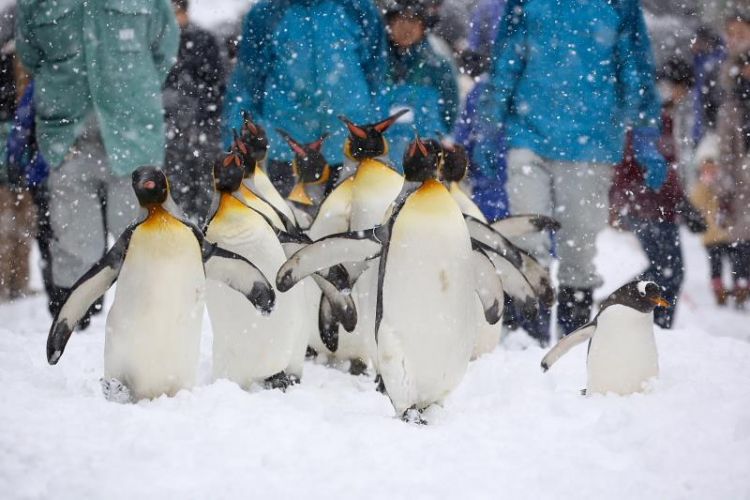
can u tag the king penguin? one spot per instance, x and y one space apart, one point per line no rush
427 277
250 347
622 350
153 328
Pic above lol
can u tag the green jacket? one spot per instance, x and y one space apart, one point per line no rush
110 57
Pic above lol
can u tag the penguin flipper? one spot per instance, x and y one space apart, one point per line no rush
239 274
536 274
355 246
84 293
341 305
568 342
514 282
489 287
519 225
328 327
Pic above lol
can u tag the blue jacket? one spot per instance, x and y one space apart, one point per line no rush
425 82
301 63
569 76
26 166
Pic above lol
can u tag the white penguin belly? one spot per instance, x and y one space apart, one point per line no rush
622 355
249 347
428 328
153 328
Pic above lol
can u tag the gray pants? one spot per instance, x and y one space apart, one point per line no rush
577 195
84 196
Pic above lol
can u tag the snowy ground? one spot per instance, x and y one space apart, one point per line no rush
509 431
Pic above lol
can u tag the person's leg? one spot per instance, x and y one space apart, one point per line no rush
529 190
23 229
122 205
6 241
715 257
741 273
582 208
661 243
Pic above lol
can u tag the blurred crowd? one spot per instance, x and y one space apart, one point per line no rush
559 104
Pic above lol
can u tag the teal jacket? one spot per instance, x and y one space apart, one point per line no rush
426 83
110 57
570 76
303 62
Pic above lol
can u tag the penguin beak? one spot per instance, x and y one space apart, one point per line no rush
661 302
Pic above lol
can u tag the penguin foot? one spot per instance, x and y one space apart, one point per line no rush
311 353
583 392
357 367
115 391
379 384
413 416
278 381
294 379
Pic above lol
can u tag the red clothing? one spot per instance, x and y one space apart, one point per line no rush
629 195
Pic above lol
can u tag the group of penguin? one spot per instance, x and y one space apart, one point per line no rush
396 273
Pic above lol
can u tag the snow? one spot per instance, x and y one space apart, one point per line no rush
508 431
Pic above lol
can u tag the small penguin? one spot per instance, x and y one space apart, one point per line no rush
622 350
249 347
153 328
427 277
312 173
359 202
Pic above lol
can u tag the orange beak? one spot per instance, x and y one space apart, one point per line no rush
661 302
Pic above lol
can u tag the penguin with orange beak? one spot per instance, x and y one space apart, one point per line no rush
622 354
311 172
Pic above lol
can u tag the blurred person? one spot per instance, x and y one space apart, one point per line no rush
734 161
192 105
565 101
98 69
419 79
654 216
708 53
301 64
706 196
16 207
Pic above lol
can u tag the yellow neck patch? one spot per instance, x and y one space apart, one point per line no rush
159 219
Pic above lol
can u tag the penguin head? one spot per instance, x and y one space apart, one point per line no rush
254 137
309 164
642 296
150 185
455 162
228 173
422 160
367 141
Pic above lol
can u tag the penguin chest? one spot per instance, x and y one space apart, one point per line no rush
154 325
248 346
428 327
622 354
375 187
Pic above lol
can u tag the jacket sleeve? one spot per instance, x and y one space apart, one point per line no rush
373 48
635 69
509 60
26 49
246 84
164 38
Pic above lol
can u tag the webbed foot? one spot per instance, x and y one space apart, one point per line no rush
278 381
115 391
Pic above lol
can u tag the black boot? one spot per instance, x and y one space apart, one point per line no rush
574 307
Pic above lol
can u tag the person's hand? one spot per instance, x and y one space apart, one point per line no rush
648 156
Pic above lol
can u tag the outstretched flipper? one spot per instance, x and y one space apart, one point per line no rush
240 274
514 281
84 293
535 273
489 287
355 246
519 225
567 342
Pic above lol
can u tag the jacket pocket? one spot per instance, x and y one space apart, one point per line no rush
127 24
57 32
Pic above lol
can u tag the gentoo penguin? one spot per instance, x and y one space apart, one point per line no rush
312 172
622 349
359 202
154 326
427 277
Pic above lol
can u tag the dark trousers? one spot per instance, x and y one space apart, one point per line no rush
740 257
716 256
661 243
